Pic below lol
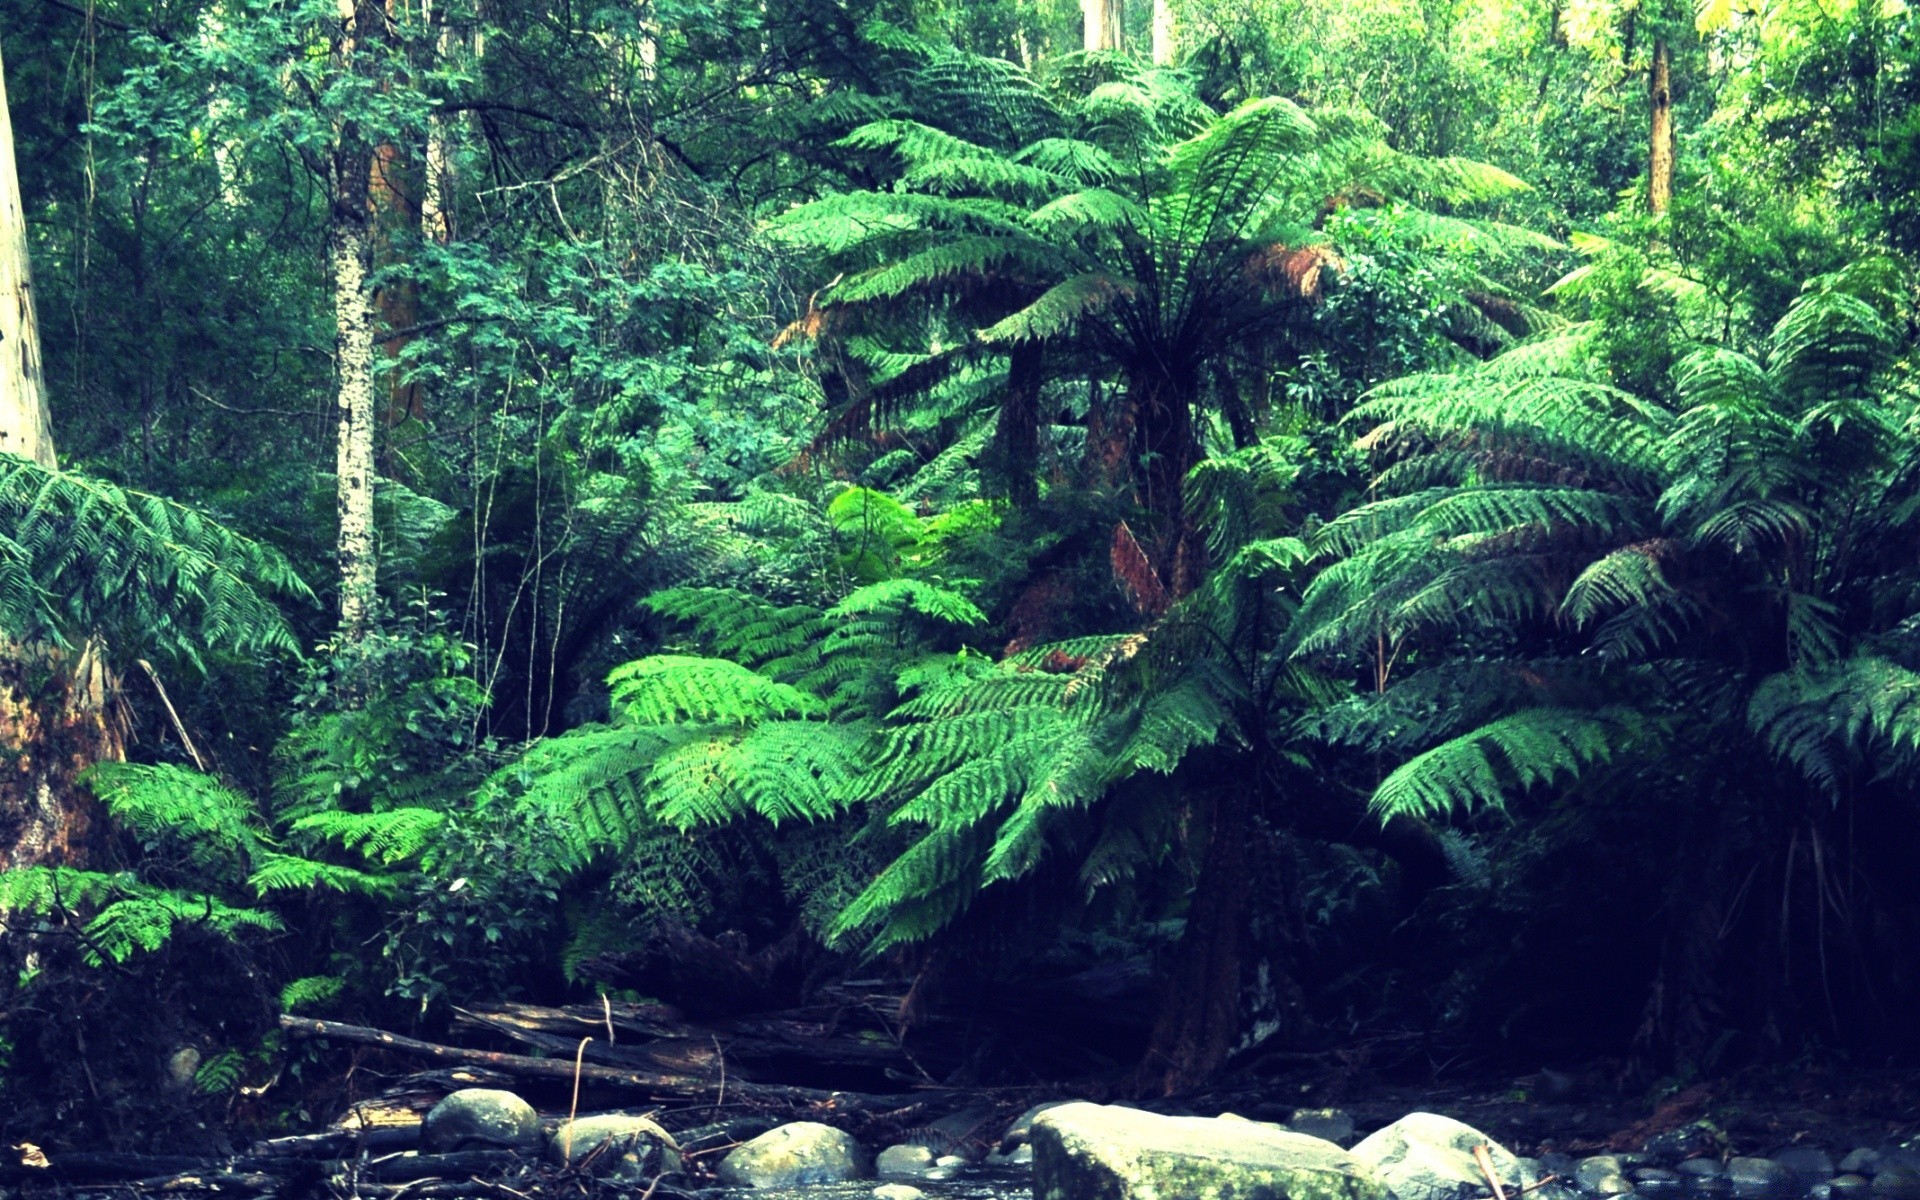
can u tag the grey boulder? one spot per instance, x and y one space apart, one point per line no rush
1100 1152
1425 1156
794 1155
903 1162
480 1119
615 1146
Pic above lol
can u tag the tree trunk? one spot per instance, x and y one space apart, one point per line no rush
1159 409
1162 33
1660 152
24 426
1019 431
1100 24
349 250
53 722
394 213
1199 1018
436 176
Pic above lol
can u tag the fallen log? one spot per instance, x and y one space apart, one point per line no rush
340 1143
657 1085
461 1164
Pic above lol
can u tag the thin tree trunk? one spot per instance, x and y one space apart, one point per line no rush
394 212
1100 24
53 722
1660 152
1163 33
349 249
436 182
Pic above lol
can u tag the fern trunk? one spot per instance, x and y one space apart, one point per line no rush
1159 404
1019 430
1199 1018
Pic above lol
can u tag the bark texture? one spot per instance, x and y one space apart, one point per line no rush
350 252
24 426
1163 33
1161 444
1100 24
1660 152
1019 431
1199 1018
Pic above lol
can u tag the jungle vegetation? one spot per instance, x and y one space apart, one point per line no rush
1399 519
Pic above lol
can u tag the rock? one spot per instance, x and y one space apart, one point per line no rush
1654 1175
182 1065
1687 1141
1099 1152
803 1152
948 1166
1021 1130
903 1162
1602 1175
1860 1162
722 1133
623 1148
1019 1156
1754 1178
1703 1168
1849 1185
480 1119
1332 1124
1897 1183
1808 1162
1423 1156
897 1191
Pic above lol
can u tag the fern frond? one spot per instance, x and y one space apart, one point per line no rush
1479 769
666 689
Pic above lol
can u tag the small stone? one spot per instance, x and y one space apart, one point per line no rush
1686 1141
947 1166
793 1155
1861 1162
1756 1178
1808 1162
1654 1175
1897 1183
1849 1185
1330 1124
903 1162
480 1119
1601 1175
1704 1168
897 1191
182 1065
